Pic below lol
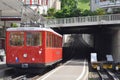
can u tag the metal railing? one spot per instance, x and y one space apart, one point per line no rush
83 20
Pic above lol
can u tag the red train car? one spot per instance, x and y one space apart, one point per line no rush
32 47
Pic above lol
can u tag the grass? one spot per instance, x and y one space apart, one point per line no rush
84 4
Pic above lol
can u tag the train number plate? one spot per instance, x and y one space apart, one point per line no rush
24 65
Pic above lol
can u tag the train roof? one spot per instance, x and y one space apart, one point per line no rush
32 29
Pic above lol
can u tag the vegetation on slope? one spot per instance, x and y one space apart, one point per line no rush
84 4
74 8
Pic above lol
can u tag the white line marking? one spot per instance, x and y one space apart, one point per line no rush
83 72
86 75
52 72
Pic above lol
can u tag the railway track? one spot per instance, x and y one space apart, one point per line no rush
103 75
108 75
113 74
23 77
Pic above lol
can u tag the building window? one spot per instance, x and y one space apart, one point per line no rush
27 1
96 1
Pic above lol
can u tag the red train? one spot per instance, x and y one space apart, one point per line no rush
32 47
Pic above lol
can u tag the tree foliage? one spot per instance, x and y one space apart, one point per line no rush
100 12
88 13
68 4
70 9
51 11
14 25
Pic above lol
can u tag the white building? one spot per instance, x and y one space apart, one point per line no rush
43 5
108 4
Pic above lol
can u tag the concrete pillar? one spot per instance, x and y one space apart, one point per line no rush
116 45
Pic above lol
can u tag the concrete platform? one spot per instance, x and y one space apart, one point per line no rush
2 65
71 70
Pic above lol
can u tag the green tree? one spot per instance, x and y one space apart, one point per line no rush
51 12
88 13
63 13
14 25
69 9
100 12
75 13
59 14
69 4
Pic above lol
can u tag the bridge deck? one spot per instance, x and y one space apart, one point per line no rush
71 70
83 21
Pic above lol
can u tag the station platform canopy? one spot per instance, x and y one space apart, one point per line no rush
14 10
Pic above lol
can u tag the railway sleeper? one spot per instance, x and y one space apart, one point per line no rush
96 66
107 65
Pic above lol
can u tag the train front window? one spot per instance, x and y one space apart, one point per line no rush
34 39
17 38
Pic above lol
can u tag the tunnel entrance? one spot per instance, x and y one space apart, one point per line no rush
79 46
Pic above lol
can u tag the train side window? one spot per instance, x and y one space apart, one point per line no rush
53 40
47 39
40 38
34 39
16 38
58 42
50 40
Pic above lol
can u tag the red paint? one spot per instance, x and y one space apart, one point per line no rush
46 2
30 2
42 2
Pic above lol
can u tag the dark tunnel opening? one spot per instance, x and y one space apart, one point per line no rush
78 48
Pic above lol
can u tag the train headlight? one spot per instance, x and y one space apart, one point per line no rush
25 55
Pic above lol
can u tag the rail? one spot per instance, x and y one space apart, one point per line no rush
80 21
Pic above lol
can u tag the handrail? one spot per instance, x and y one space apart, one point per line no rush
88 19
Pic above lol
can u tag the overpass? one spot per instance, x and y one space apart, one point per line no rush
83 21
89 24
